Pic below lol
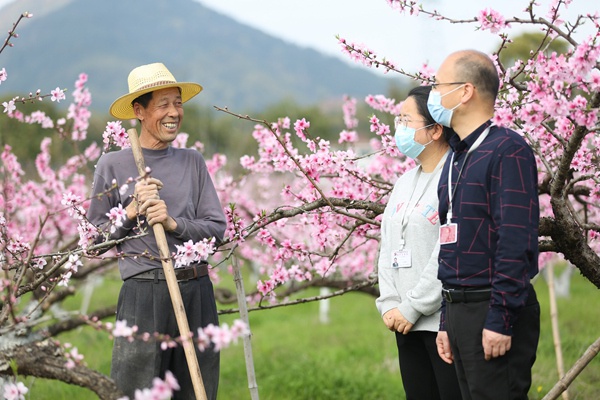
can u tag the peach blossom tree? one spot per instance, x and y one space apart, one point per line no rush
306 211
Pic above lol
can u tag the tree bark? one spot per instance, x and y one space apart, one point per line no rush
45 359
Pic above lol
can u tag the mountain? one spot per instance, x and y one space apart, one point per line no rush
239 67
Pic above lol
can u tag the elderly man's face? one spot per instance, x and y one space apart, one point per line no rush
162 118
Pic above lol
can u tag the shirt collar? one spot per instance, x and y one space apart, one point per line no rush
462 145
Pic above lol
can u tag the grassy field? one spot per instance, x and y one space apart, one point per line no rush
351 357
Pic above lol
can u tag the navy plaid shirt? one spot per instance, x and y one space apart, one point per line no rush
495 206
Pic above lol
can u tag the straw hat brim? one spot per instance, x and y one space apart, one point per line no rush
123 109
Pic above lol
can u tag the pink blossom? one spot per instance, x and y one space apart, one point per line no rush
144 394
73 358
82 79
121 329
504 117
73 263
221 337
15 391
349 109
348 136
65 278
595 80
9 107
217 162
181 140
114 133
57 95
191 252
265 287
3 75
280 275
426 71
202 340
171 381
491 20
239 328
300 126
402 6
161 389
40 263
117 215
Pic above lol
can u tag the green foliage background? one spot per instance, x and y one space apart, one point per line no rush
353 357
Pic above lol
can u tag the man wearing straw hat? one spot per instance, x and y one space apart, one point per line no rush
180 195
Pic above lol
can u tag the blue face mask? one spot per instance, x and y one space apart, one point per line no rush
405 140
439 113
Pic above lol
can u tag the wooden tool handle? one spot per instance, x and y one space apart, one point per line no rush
174 292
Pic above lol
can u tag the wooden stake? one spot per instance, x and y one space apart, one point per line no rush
555 330
175 293
241 297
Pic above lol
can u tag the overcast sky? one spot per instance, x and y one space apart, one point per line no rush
408 41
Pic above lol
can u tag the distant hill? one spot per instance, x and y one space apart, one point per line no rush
239 67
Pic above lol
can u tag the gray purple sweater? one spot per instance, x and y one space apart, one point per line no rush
188 192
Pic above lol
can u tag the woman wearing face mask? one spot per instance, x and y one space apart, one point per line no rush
410 293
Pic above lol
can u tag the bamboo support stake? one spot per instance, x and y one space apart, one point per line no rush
555 330
173 286
562 385
241 297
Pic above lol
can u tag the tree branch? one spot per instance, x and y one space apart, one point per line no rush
45 359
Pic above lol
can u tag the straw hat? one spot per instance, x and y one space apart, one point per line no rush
148 78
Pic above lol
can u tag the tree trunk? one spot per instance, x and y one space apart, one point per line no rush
45 359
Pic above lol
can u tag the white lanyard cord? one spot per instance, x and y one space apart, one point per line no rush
404 220
451 192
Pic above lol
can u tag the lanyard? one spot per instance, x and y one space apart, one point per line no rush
451 192
404 220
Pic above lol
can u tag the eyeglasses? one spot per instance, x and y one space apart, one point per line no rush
404 121
435 85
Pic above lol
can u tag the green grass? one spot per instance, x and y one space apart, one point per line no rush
297 357
579 327
353 356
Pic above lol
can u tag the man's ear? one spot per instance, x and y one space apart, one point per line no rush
138 111
468 92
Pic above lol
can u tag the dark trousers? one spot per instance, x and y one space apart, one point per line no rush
424 375
147 304
504 378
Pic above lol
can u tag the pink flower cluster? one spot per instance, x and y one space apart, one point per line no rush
222 336
217 337
359 52
191 252
73 356
115 134
15 391
296 248
78 109
46 213
303 210
116 216
160 390
491 20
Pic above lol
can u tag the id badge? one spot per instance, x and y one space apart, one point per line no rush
401 259
448 233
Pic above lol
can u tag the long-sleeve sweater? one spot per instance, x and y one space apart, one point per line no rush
414 290
188 192
496 208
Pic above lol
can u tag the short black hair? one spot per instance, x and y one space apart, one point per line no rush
143 100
